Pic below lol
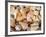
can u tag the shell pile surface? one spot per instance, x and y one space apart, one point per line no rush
25 18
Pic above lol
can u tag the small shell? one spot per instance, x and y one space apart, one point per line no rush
32 8
29 16
23 12
19 17
12 22
12 9
34 26
35 19
23 25
36 12
16 13
18 27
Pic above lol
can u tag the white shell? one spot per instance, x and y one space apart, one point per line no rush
18 27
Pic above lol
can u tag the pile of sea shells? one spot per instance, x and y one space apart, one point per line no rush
25 18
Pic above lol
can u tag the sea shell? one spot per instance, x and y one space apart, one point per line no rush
29 16
12 9
35 18
23 25
34 26
36 12
16 13
18 27
12 22
19 17
23 12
